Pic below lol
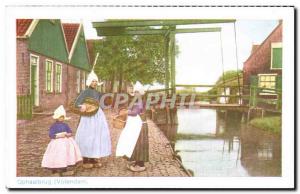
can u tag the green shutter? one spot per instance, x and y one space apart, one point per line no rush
57 76
48 76
279 83
277 58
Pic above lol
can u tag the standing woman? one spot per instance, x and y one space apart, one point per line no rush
133 142
92 136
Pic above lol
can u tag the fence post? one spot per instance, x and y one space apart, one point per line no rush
30 105
279 101
24 107
253 96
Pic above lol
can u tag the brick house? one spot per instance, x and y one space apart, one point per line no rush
52 62
263 68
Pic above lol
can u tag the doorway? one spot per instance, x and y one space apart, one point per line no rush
34 88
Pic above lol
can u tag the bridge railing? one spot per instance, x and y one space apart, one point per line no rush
265 98
199 96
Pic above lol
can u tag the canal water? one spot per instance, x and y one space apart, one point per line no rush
216 144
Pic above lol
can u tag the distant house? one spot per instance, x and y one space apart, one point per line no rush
231 87
263 68
52 62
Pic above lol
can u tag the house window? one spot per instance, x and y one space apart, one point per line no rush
267 81
58 78
276 56
33 59
49 76
83 81
78 81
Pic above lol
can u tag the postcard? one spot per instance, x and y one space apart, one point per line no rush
150 97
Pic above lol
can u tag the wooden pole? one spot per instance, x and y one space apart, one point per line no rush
138 23
95 61
166 55
172 53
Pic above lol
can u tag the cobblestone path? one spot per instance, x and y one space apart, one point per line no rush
32 140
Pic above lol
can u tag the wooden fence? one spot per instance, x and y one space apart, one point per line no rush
24 107
257 98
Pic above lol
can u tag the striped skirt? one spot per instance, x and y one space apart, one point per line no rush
141 150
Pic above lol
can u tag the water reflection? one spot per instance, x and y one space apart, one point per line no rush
261 152
193 121
216 143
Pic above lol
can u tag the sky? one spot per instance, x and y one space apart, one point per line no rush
200 57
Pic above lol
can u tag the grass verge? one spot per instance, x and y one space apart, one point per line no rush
272 124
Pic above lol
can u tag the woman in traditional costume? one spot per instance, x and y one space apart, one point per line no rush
62 151
133 142
92 136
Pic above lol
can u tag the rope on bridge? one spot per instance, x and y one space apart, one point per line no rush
237 63
222 59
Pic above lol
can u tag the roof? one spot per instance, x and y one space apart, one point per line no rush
254 47
22 26
91 48
260 46
70 31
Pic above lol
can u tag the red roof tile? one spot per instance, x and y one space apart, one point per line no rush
70 31
22 26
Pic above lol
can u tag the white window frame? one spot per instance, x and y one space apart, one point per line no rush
51 84
78 81
61 69
267 74
38 76
275 45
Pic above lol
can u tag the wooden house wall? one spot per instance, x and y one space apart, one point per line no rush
260 61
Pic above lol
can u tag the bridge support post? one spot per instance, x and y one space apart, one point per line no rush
279 101
253 97
166 56
172 57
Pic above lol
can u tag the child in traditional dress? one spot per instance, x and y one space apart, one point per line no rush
62 151
133 142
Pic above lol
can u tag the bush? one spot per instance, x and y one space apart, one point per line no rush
272 124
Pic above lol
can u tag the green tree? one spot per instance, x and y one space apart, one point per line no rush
228 75
131 58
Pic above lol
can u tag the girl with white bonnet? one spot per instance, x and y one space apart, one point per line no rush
62 151
92 136
133 142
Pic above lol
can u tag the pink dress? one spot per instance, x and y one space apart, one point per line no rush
61 152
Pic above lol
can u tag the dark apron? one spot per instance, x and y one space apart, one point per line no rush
141 149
